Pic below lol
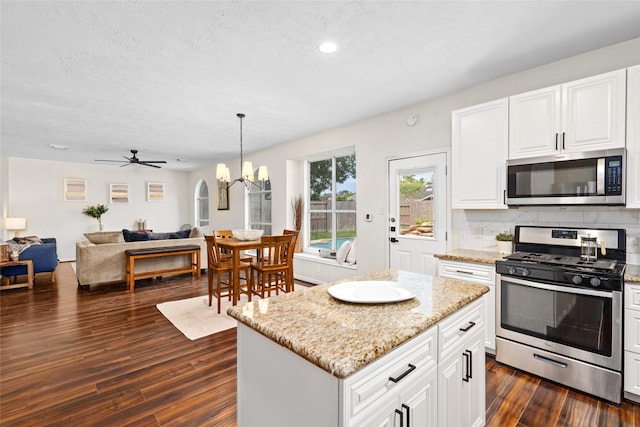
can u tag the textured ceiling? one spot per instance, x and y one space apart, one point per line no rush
168 77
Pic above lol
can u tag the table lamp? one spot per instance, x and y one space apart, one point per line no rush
15 224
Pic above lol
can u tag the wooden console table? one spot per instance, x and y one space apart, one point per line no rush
29 283
136 254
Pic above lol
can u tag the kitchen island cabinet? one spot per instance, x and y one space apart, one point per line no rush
305 358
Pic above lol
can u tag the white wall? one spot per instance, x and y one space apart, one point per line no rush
36 193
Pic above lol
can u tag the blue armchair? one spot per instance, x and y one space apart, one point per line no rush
44 257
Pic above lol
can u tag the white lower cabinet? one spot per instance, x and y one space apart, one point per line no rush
631 371
409 386
484 274
461 376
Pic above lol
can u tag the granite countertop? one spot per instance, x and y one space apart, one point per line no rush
632 273
340 337
471 255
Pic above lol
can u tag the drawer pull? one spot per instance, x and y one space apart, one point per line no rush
471 325
408 414
464 272
550 361
401 417
404 374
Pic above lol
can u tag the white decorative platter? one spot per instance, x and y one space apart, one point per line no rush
372 292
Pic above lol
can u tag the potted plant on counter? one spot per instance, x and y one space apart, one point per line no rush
96 212
504 242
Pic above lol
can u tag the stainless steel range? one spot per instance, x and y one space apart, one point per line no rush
559 307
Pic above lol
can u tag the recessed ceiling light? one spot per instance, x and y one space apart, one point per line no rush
58 146
328 47
182 160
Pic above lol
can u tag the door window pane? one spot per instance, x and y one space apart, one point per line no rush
202 204
415 204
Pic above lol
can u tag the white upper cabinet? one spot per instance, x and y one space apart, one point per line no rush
583 115
479 152
633 137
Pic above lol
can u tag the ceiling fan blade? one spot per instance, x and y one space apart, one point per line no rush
153 161
126 164
147 164
116 161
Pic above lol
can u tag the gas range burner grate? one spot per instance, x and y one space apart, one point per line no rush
563 261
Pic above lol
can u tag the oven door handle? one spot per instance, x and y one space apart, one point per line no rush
566 289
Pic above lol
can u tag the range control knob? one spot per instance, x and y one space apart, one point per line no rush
511 270
595 282
576 279
525 272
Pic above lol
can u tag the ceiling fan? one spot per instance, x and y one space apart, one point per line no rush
135 160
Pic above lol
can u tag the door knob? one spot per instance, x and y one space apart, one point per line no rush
393 240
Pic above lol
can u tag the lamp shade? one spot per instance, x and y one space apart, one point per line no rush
221 170
247 171
263 174
15 223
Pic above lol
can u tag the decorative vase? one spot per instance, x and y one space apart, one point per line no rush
100 226
505 248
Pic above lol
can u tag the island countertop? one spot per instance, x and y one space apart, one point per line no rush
340 337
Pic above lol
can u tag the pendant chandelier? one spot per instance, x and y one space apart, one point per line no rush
248 177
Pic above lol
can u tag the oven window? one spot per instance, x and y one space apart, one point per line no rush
580 321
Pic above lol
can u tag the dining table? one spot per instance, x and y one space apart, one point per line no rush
236 247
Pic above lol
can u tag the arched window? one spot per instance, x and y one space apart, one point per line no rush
202 204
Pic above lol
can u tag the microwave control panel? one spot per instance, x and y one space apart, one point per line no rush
613 179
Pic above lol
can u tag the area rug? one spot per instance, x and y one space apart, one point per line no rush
195 319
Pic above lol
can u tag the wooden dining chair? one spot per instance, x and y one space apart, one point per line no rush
220 266
270 272
226 253
290 281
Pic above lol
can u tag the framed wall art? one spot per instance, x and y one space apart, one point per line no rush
223 196
75 190
155 192
119 194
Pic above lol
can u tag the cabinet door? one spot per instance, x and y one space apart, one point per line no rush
593 114
633 137
479 152
474 389
419 401
534 123
490 319
450 405
632 330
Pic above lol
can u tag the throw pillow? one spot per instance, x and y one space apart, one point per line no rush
182 234
104 237
341 256
159 236
134 236
33 240
199 231
351 256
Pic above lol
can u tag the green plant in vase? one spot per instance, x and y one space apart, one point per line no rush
505 243
96 212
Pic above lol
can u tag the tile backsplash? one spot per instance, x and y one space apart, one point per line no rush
476 229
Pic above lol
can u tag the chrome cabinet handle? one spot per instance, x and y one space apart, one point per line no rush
464 272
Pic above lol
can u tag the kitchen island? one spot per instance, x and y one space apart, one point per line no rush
305 358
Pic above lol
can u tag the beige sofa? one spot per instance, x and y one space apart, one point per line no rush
105 262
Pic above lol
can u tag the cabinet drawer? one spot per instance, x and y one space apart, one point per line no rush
373 382
632 296
467 271
460 325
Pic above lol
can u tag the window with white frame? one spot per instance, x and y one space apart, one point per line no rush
331 213
202 204
259 205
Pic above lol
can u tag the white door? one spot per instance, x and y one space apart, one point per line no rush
417 212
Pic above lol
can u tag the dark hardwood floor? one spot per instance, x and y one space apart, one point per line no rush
108 357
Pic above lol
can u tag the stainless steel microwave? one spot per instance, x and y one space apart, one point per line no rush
590 178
